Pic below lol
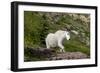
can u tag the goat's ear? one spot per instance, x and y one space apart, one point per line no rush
68 29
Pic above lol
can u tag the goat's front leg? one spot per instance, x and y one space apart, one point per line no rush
61 46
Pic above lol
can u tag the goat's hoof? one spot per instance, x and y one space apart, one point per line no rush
62 50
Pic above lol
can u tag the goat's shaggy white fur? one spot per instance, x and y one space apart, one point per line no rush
56 39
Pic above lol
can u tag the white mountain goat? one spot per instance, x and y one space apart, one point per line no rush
56 39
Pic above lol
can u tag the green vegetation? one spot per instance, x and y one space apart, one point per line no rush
38 24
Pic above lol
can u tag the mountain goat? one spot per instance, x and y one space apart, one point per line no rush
56 39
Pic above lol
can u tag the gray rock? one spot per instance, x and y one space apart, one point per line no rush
70 55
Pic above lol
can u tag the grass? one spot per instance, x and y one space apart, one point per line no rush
76 46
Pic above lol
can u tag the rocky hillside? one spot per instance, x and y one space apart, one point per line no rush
38 24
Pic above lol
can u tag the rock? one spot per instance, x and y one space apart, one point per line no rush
70 55
50 54
84 19
40 52
74 16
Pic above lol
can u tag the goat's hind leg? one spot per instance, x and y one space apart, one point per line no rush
47 45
